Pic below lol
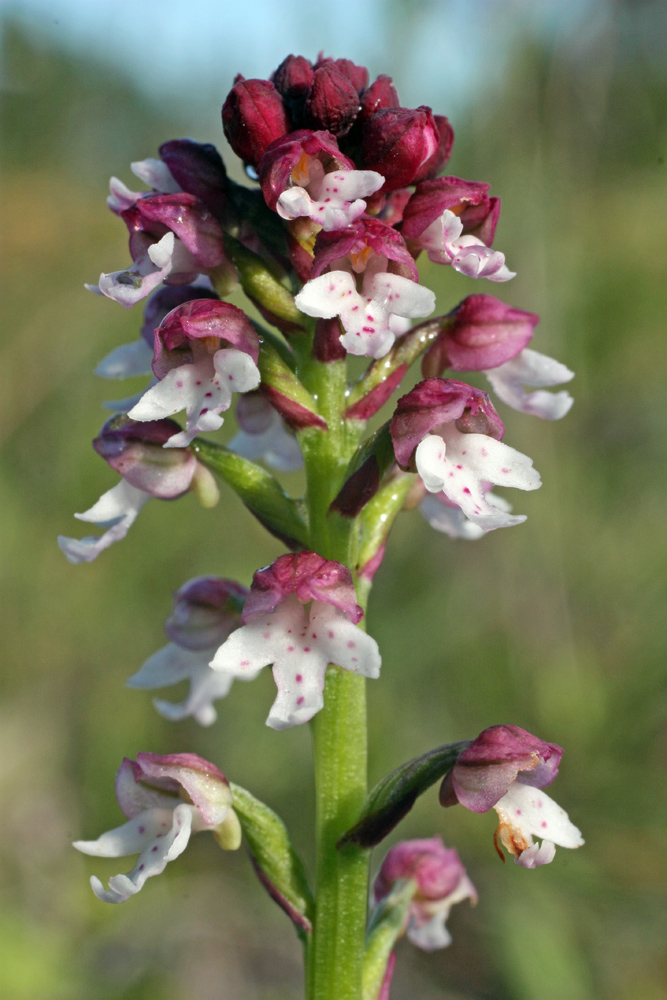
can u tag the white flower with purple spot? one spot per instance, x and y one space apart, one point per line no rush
333 200
367 316
165 799
300 617
460 466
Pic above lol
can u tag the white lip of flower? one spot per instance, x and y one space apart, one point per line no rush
526 812
116 510
458 464
534 369
203 389
166 256
444 244
300 644
366 317
159 835
433 934
453 522
173 664
274 445
333 200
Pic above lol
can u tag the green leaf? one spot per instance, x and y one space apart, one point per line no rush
278 866
260 284
394 796
261 492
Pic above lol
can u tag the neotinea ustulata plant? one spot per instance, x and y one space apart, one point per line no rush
345 192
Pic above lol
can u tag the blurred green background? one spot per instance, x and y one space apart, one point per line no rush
556 625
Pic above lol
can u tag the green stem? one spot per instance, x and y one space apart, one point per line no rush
336 953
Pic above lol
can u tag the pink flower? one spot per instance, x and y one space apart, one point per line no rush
440 881
165 800
506 768
445 243
300 615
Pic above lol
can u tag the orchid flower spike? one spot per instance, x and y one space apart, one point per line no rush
506 768
450 432
440 881
165 800
301 615
206 610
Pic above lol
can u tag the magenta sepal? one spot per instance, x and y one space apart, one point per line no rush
310 577
253 116
141 784
438 401
135 450
333 101
364 235
198 168
499 756
481 333
201 319
206 609
283 155
432 197
398 143
163 301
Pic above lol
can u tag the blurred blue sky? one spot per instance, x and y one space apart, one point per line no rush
439 51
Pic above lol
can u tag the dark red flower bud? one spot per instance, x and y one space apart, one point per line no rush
480 333
333 101
434 165
357 75
293 80
198 168
397 143
252 117
381 94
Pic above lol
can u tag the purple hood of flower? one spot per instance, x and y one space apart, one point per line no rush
310 577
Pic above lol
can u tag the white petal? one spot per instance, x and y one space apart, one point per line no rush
328 295
535 369
343 643
121 198
160 835
430 936
294 203
344 186
126 361
538 854
399 295
118 508
156 175
172 664
531 812
450 520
